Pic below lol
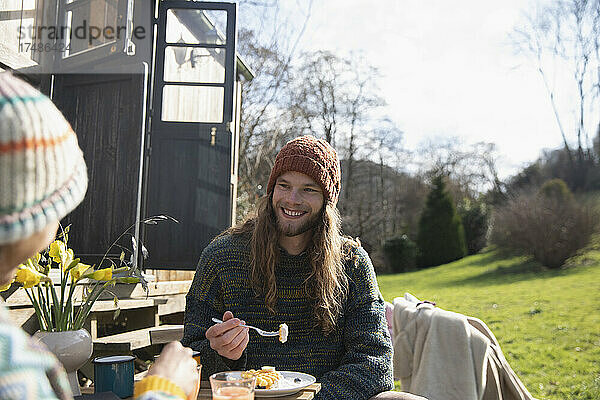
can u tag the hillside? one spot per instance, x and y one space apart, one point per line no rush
547 321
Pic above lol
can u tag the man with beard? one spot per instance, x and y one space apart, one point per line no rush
290 264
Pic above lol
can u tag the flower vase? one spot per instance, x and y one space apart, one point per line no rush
72 348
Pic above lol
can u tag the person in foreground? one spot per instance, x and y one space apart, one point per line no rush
290 264
42 178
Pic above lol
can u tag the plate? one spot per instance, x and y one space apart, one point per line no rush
293 387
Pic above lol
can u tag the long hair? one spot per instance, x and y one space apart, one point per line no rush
327 283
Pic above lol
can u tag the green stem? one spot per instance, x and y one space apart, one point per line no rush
115 242
80 314
69 306
51 312
63 286
143 221
36 307
66 310
44 308
57 307
85 308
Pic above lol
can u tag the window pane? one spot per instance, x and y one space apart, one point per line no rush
192 103
17 29
93 24
194 64
195 26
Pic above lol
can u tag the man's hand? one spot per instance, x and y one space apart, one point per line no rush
228 338
176 364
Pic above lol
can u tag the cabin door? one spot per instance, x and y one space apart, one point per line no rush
189 153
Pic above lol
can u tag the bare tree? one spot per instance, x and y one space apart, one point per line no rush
360 101
335 98
471 169
263 126
318 94
386 145
566 35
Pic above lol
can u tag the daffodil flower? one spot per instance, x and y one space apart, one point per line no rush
35 260
29 277
5 287
78 271
68 258
34 263
100 275
56 249
61 253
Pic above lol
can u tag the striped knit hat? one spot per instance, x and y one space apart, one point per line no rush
313 157
42 172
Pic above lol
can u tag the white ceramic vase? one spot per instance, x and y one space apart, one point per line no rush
72 348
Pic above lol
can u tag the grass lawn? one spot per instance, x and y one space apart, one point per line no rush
547 321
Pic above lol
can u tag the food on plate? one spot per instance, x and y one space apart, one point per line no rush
283 333
266 377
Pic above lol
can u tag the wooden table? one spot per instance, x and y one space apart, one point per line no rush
307 393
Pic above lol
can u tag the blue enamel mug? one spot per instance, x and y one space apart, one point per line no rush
114 374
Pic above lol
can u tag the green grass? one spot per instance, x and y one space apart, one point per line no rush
547 321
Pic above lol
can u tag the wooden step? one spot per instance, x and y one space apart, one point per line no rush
16 297
128 341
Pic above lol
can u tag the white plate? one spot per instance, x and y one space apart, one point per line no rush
293 387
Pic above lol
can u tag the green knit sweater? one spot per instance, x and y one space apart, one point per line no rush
353 362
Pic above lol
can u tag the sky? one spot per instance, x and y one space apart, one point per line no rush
447 70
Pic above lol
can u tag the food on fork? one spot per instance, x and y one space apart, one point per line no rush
266 377
283 333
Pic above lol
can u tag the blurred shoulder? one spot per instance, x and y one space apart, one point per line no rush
355 255
226 245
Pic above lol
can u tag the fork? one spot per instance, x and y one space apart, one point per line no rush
260 331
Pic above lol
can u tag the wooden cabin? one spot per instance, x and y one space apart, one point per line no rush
153 90
157 114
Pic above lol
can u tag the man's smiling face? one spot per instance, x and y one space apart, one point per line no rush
297 203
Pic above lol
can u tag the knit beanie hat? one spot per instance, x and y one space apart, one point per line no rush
43 175
313 157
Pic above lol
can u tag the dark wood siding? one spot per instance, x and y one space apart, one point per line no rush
190 182
106 112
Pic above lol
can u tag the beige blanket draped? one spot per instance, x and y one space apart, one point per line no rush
444 355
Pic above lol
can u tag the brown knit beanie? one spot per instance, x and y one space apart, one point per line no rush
313 157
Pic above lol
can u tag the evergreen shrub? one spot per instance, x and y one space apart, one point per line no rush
400 254
441 238
474 217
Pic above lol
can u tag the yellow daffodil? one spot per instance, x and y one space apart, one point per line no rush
34 263
100 275
78 271
68 258
35 260
29 277
5 287
56 249
60 253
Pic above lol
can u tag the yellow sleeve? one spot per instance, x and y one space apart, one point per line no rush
158 384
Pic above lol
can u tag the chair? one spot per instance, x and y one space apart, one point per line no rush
445 355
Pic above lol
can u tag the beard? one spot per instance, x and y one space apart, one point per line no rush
290 230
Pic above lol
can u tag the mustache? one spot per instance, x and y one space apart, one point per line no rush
302 209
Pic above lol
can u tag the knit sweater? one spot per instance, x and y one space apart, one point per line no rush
352 362
28 371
